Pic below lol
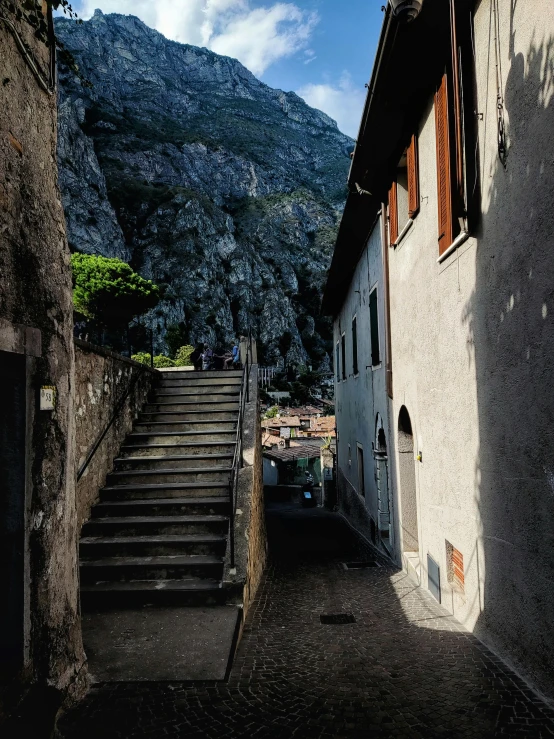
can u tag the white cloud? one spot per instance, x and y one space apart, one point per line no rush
343 102
257 37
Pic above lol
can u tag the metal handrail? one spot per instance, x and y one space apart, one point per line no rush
99 439
238 461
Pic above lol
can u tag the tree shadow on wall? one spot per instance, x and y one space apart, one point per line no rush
511 340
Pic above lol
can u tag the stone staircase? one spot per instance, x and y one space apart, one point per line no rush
159 533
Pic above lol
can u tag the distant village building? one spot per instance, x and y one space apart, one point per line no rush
287 465
441 290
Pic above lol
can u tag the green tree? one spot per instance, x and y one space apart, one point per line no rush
272 412
109 291
175 337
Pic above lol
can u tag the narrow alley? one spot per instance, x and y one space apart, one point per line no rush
401 667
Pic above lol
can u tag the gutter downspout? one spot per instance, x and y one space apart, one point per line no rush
371 87
386 296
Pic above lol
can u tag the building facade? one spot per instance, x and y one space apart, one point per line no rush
363 470
456 149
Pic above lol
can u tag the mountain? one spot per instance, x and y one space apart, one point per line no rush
224 191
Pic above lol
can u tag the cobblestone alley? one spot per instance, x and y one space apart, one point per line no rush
404 668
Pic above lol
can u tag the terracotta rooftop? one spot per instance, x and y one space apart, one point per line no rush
283 421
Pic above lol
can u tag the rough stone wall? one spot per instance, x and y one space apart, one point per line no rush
35 291
101 380
250 531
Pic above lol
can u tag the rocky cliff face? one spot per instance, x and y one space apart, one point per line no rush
224 191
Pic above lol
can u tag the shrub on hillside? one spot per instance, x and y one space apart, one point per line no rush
182 357
160 360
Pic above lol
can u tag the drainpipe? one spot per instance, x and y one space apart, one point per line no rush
386 296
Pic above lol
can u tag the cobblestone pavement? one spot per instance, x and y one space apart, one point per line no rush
405 668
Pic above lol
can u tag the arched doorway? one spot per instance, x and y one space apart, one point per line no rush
408 498
382 483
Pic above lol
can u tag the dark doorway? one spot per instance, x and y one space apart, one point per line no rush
382 480
12 510
408 497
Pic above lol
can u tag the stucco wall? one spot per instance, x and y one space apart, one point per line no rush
472 355
102 378
250 531
361 400
35 292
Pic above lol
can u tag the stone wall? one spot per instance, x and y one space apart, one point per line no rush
250 532
102 378
36 312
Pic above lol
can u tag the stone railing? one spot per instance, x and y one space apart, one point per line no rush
102 378
249 520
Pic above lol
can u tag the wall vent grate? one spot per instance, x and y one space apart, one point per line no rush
337 619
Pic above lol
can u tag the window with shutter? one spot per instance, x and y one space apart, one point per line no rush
374 328
444 178
413 178
354 347
393 214
404 193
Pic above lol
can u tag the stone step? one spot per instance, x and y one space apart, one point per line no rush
167 490
156 525
205 425
177 437
201 374
188 448
207 475
178 380
192 405
212 505
184 592
99 547
184 416
177 461
223 394
150 568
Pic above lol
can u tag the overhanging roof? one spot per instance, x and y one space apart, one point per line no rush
408 64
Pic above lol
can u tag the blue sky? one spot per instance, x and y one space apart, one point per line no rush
321 49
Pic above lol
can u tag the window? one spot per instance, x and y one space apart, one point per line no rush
354 347
337 360
349 456
457 175
374 327
343 356
361 473
404 192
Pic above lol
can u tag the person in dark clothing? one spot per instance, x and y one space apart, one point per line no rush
218 359
196 356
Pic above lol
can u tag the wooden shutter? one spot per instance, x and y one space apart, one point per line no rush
393 214
444 179
413 178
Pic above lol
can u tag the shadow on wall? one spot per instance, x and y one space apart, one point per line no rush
511 340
